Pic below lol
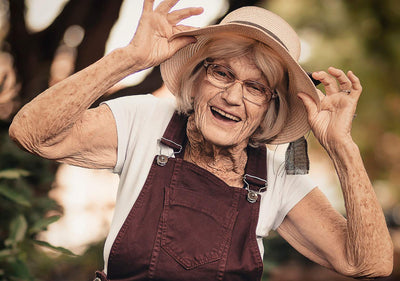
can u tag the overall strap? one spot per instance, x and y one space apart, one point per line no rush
175 134
255 177
256 168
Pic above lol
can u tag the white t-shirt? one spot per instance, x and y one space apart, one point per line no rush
141 121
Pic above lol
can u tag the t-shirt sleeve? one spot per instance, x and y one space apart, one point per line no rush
130 114
284 191
294 189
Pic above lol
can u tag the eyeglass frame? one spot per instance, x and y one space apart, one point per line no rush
272 93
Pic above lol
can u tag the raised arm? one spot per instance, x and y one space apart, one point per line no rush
58 125
361 245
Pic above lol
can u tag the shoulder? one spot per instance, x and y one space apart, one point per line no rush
140 109
283 193
141 102
277 175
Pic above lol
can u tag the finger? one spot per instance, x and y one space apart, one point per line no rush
328 81
166 5
148 5
179 15
183 28
344 81
310 105
320 94
356 85
180 42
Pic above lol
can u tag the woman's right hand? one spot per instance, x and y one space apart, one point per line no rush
151 44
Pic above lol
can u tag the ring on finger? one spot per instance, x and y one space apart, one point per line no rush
346 91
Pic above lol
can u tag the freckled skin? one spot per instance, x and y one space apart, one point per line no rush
361 245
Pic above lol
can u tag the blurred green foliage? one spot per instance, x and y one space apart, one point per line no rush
25 209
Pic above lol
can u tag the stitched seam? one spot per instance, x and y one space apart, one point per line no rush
254 245
139 202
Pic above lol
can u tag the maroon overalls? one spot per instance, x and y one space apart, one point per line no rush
187 224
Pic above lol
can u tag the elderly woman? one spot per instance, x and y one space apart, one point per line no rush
198 188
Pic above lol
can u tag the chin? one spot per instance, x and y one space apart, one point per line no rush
221 140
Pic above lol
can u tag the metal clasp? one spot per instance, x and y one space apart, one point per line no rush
162 160
176 144
252 195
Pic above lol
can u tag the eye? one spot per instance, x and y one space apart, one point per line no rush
222 73
255 88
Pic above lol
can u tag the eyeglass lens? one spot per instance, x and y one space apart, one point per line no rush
222 77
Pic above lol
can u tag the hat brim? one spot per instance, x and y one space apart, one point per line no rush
296 124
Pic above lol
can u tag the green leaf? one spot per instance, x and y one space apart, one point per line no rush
20 271
42 224
18 227
13 174
14 196
55 248
4 254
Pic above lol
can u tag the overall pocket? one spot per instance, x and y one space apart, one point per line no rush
196 227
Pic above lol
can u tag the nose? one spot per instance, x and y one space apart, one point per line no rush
233 94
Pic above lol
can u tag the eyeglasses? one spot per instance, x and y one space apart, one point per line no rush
222 77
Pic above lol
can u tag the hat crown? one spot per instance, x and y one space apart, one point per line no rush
269 22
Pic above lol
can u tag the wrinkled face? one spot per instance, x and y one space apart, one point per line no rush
223 116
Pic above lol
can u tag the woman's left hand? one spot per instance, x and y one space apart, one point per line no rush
331 123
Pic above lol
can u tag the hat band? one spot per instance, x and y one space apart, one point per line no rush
263 29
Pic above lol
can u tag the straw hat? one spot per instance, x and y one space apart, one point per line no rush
264 26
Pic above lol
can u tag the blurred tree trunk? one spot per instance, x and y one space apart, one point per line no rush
34 52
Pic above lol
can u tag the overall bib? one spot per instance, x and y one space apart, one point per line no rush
189 225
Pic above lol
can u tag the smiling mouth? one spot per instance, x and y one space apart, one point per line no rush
220 114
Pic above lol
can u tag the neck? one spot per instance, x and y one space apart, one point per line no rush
227 163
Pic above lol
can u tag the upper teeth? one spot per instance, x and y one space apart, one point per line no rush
225 114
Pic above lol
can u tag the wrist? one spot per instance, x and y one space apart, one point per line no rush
128 60
343 148
134 58
335 143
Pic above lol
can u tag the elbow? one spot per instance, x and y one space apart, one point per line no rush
28 141
22 136
377 269
372 273
18 134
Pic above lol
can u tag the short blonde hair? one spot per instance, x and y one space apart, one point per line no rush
225 46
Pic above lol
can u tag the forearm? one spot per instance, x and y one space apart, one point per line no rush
368 245
50 116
